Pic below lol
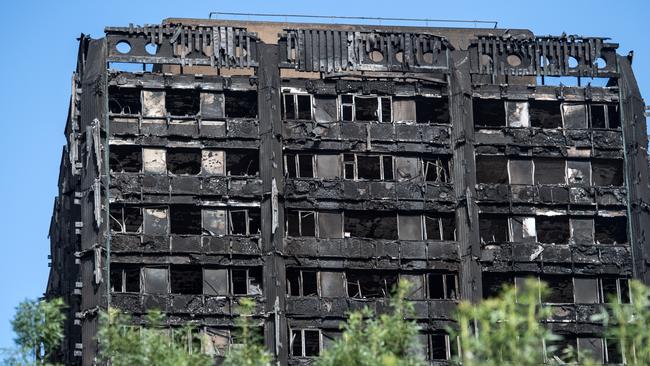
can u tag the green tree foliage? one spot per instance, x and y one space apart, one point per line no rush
386 340
124 344
38 325
250 350
629 325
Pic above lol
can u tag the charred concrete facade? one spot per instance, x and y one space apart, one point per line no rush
311 166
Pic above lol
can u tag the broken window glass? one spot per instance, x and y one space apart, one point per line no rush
154 160
186 280
491 169
613 116
553 229
299 165
550 171
575 115
124 100
410 227
438 346
366 108
440 228
436 170
493 228
368 167
185 220
244 222
613 351
598 113
240 104
517 114
523 229
155 280
560 289
183 161
302 282
407 168
325 109
432 110
607 172
349 166
418 287
610 230
614 290
212 162
155 221
370 224
301 223
126 219
545 114
489 113
554 349
592 348
246 281
363 284
215 281
182 102
245 162
125 158
213 222
520 171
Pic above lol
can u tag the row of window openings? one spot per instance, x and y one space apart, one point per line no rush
553 229
363 284
184 220
365 108
545 114
369 224
494 169
183 161
182 102
564 289
367 167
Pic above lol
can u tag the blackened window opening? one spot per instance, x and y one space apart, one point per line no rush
240 104
125 158
124 100
183 161
245 162
182 102
185 220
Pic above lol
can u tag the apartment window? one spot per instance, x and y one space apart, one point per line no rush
330 224
579 172
185 220
605 116
183 161
615 289
560 289
217 341
553 229
517 114
491 169
363 284
246 281
441 346
440 228
366 108
409 227
213 222
554 348
550 171
489 113
297 106
125 158
189 339
244 222
156 280
126 219
592 348
182 102
186 280
302 282
610 230
215 281
212 162
155 221
494 282
153 104
125 278
370 224
436 170
299 165
244 162
240 104
545 114
574 115
371 167
432 110
493 228
328 166
124 100
522 229
305 342
607 172
154 160
442 286
301 223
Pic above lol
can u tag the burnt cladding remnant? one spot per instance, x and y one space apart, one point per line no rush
312 166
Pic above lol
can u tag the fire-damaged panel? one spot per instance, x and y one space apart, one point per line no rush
312 166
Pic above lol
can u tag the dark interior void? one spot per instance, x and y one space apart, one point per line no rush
124 100
183 161
545 114
311 342
432 110
491 169
299 165
244 222
368 167
494 282
125 158
301 223
550 171
366 108
607 172
440 228
615 289
552 229
370 284
560 289
185 219
302 283
610 230
370 224
186 280
125 278
182 102
493 228
297 106
489 113
442 286
436 170
125 219
605 116
242 162
438 346
246 281
554 348
240 104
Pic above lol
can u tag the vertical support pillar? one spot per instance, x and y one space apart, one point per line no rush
272 213
464 167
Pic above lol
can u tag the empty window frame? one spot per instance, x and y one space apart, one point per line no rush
215 281
371 167
155 221
442 286
301 223
578 172
493 228
125 158
614 289
213 222
560 289
440 346
125 278
605 116
610 230
189 339
156 280
185 220
432 110
491 169
302 282
297 106
522 229
246 281
363 284
436 170
365 108
550 171
370 224
184 161
182 102
607 172
186 280
299 165
574 115
124 100
545 114
240 104
244 221
306 342
494 282
489 113
126 219
553 229
244 162
440 227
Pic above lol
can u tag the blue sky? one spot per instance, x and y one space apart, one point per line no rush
39 54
